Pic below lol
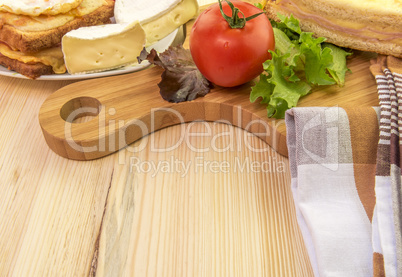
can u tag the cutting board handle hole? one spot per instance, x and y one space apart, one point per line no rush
80 109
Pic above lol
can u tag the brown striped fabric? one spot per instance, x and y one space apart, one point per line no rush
378 265
364 139
387 71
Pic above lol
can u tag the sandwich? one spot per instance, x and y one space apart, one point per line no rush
373 26
31 31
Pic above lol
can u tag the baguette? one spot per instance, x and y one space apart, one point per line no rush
373 26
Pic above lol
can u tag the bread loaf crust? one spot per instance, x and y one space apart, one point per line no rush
35 41
340 37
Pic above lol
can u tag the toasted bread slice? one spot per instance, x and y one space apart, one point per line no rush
373 26
50 56
22 33
30 70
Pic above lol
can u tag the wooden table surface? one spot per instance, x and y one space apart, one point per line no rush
198 199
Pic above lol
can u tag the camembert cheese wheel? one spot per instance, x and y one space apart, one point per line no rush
158 17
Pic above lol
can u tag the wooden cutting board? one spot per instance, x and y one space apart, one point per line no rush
125 108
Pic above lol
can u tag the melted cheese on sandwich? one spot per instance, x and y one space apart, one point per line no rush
46 22
37 7
51 56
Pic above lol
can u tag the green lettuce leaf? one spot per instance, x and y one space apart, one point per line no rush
299 63
275 89
338 69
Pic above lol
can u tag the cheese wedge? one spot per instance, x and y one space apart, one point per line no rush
158 17
103 47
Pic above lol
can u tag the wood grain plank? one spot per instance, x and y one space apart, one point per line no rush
50 207
221 217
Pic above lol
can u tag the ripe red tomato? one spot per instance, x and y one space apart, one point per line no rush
230 57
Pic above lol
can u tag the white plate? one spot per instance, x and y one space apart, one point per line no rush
159 46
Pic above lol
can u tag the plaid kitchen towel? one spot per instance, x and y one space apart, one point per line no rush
346 176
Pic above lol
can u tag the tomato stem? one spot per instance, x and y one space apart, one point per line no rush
236 22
